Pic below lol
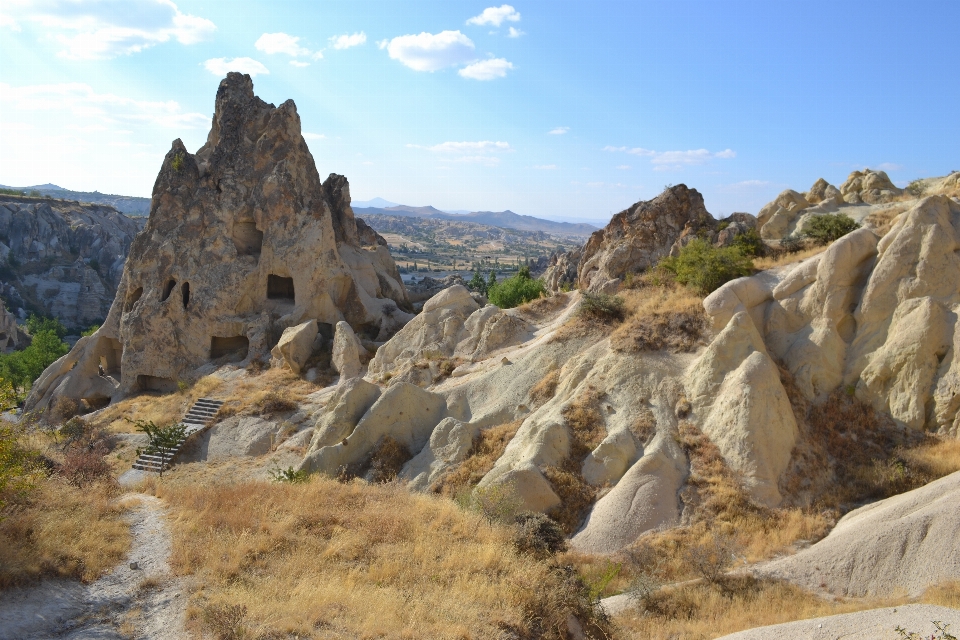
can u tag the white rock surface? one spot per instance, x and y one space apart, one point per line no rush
902 544
449 444
296 345
346 352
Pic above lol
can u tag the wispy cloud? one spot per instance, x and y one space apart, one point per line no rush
346 41
668 160
495 16
96 111
222 66
430 51
486 69
105 29
515 33
558 131
479 152
286 44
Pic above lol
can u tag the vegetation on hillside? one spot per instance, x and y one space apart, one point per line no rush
704 267
516 290
21 368
829 227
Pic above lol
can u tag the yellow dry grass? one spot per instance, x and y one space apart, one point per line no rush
487 448
546 388
63 531
663 316
160 409
351 560
762 264
700 611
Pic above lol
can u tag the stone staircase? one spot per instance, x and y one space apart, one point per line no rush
198 418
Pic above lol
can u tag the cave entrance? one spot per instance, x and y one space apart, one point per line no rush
167 289
279 288
247 239
132 298
232 349
156 383
185 292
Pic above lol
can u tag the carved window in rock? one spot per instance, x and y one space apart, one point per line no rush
132 298
280 288
232 348
247 239
185 293
168 289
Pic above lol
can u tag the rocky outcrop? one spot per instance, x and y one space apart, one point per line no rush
639 237
63 259
296 345
903 544
12 337
346 352
870 187
242 242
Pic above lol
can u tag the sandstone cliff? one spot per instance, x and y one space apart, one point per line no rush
63 259
242 242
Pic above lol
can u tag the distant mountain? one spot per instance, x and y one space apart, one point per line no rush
130 205
503 219
376 202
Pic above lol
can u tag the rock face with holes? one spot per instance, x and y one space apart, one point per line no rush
243 241
62 258
12 337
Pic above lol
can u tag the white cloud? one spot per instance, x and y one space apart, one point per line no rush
515 33
495 16
558 131
108 28
663 160
545 166
346 41
486 69
7 22
299 63
314 136
889 166
465 147
97 111
430 52
281 43
221 66
382 44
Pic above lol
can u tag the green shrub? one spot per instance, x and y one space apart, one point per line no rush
750 243
20 368
828 227
289 475
705 268
791 244
477 283
538 534
916 188
92 330
516 290
37 324
601 306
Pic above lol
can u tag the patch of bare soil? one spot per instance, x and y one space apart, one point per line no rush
142 602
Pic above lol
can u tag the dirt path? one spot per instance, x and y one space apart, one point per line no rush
146 602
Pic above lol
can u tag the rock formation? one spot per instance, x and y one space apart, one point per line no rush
870 187
63 259
638 237
243 241
12 337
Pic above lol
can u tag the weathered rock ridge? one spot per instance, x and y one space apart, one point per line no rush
243 241
63 259
638 237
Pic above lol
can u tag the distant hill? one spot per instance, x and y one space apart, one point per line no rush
503 219
130 205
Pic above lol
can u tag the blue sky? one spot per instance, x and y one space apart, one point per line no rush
564 110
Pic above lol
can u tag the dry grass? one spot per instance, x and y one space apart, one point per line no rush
325 559
543 308
63 531
487 448
700 610
164 409
762 264
665 316
587 430
546 388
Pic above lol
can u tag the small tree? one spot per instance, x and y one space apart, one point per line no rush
492 280
829 227
705 268
477 283
161 440
516 290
